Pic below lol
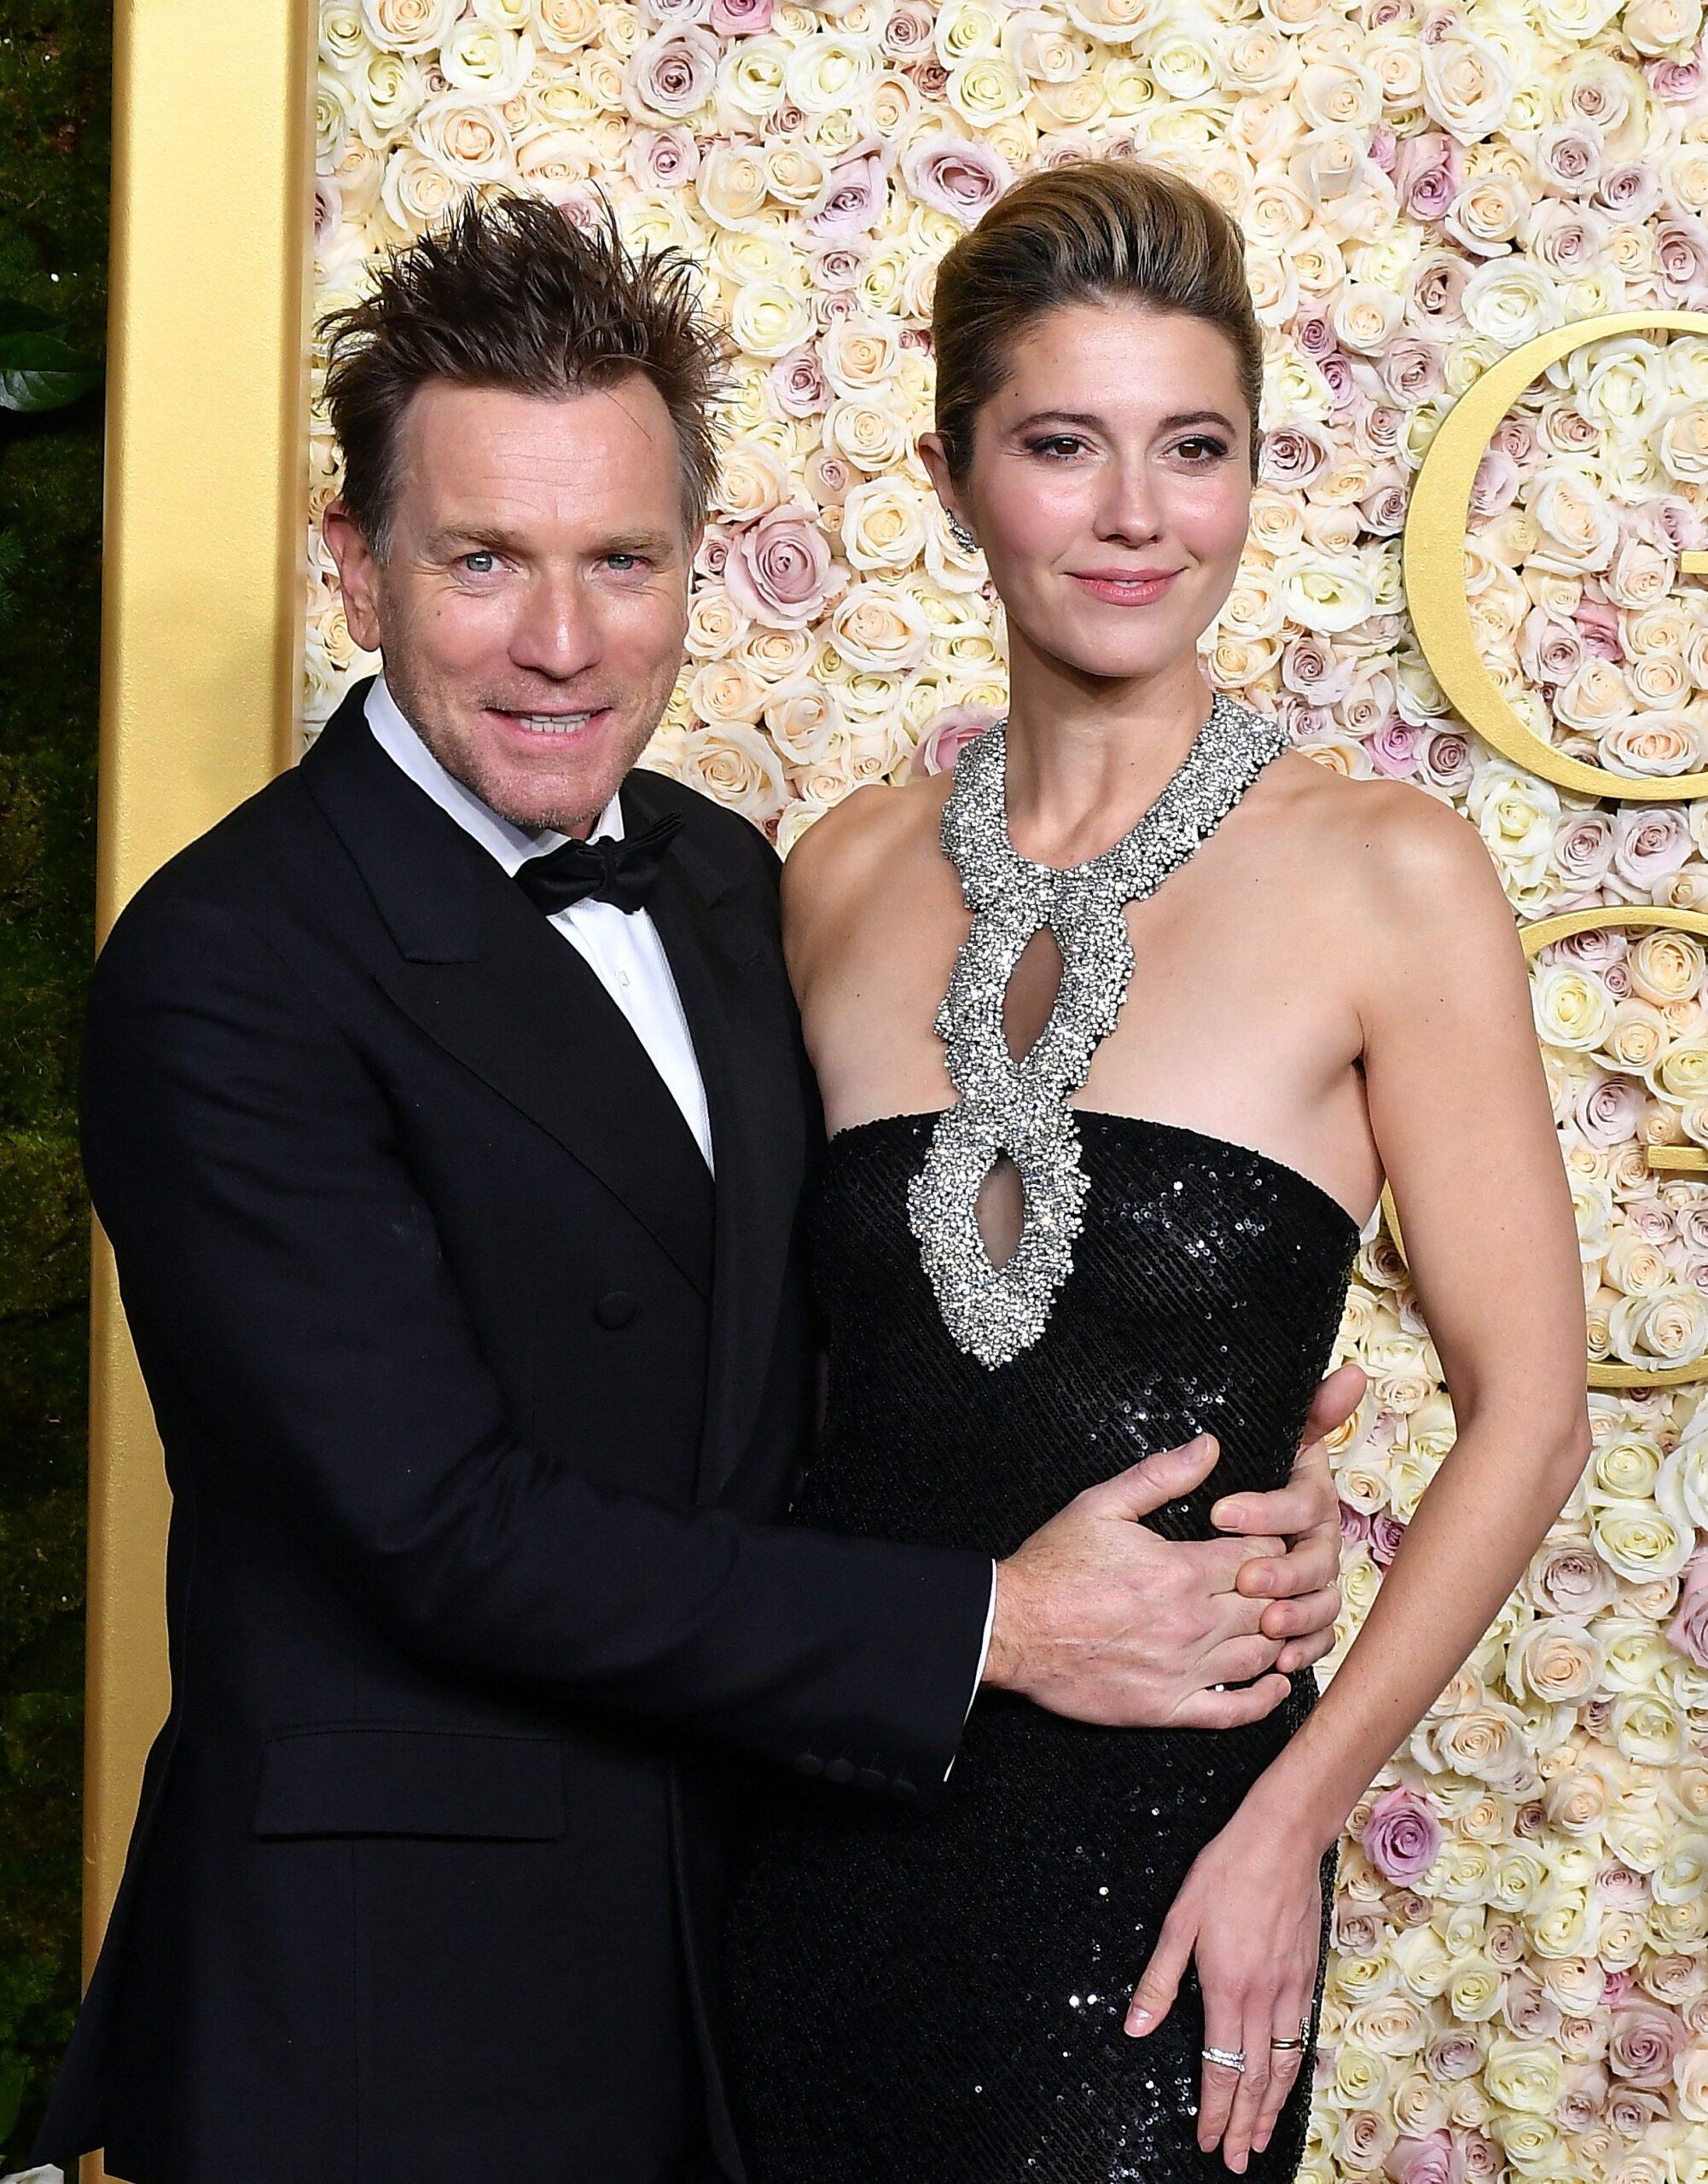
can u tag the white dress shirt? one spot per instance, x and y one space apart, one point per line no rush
622 946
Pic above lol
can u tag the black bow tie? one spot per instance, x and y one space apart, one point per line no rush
612 871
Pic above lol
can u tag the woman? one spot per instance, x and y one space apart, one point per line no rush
1279 984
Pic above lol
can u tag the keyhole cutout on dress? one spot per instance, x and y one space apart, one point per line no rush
1000 1206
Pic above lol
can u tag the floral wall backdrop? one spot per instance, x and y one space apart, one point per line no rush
1519 1981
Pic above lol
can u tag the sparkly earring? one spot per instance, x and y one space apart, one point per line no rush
963 538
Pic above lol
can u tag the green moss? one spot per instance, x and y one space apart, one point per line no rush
55 103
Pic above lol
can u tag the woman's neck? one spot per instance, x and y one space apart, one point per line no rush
1082 772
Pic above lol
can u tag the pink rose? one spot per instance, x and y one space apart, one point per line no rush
1386 1531
1446 760
948 733
1568 157
797 383
1631 190
1434 2160
1393 749
1607 1110
1314 336
1649 844
1355 1526
740 18
674 71
960 176
1584 845
1428 171
1402 1836
1632 2109
1550 650
1681 245
1309 666
1645 2039
838 266
1688 1629
1453 2053
1496 484
1436 285
1598 624
1293 456
1678 82
1384 509
851 201
1065 147
661 159
1669 523
907 30
1345 392
1411 370
827 477
780 569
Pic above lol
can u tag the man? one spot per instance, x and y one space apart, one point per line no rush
446 1107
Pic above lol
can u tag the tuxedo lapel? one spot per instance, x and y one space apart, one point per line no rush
484 974
740 1017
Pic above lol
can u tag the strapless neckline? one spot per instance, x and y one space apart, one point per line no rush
1105 1118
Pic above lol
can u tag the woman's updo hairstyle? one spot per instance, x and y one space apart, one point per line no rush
1092 231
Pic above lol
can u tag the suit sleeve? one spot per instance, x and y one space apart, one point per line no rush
282 1271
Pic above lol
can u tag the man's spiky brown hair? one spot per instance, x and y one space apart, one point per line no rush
509 292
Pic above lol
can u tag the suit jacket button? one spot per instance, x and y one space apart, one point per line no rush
873 1778
808 1763
841 1769
906 1791
615 1309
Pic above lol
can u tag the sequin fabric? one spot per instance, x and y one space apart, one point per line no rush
1020 1107
936 1995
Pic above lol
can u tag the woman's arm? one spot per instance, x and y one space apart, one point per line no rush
1458 1102
1459 1106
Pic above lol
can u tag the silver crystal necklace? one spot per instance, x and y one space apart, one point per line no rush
1022 1108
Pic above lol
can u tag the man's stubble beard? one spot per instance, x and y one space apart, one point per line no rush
464 764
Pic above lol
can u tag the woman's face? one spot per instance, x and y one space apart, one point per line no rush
1116 449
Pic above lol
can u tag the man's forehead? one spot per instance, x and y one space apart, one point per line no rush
522 461
629 416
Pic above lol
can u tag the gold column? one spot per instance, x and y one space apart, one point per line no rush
207 470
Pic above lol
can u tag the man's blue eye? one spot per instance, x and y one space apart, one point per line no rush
481 554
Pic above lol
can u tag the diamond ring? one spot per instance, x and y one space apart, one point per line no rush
1235 2059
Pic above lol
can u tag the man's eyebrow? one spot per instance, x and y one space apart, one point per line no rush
1090 417
496 538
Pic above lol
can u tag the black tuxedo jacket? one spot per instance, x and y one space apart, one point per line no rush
481 1406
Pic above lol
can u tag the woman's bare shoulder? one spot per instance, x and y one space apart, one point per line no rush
842 853
1394 837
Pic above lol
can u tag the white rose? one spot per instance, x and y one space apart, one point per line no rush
408 25
734 762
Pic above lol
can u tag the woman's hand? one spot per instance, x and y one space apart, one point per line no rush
1250 1910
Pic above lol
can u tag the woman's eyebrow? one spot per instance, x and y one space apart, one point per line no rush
1090 417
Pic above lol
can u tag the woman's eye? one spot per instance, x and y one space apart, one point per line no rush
1055 439
1217 447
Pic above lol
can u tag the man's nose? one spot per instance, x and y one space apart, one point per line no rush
556 632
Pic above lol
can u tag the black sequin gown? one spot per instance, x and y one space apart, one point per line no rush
936 1997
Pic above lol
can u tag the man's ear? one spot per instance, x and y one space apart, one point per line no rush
358 573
